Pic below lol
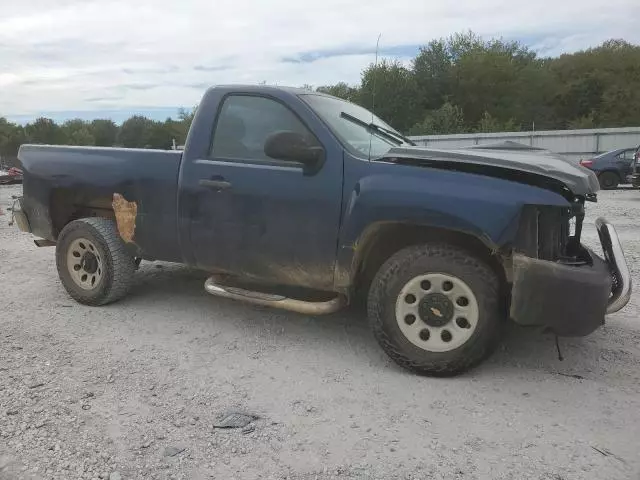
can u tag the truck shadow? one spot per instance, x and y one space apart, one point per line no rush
167 279
523 351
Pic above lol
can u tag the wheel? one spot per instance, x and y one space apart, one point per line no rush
92 262
435 309
608 180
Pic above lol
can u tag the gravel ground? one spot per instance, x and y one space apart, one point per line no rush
133 390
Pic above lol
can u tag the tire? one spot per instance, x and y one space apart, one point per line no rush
106 269
608 180
469 341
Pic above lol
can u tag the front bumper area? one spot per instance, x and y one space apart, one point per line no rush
614 256
571 300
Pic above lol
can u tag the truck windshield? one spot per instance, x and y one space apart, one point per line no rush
355 126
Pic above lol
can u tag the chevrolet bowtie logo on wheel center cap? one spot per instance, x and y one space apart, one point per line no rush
436 309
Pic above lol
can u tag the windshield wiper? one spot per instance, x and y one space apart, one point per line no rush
394 137
395 134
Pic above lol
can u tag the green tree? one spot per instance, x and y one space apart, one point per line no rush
136 132
499 77
341 90
432 68
464 43
447 119
45 131
489 124
602 83
586 121
105 132
78 132
162 134
11 137
185 118
390 90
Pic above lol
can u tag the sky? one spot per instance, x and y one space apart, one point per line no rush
113 58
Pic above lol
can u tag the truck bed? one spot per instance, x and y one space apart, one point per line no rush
82 180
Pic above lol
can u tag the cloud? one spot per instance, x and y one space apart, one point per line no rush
138 86
403 51
98 54
102 99
210 68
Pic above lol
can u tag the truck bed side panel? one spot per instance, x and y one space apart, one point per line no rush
62 183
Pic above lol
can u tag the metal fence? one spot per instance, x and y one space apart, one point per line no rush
574 144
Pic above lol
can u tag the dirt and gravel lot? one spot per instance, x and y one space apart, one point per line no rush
133 390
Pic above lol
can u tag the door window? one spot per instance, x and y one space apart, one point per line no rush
244 124
627 155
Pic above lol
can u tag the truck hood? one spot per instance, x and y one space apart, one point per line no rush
503 157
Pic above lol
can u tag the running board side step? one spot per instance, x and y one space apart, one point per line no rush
274 300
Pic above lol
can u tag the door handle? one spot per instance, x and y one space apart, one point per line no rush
215 184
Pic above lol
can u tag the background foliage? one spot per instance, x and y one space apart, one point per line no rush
458 84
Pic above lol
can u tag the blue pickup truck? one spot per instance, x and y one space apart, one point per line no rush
302 201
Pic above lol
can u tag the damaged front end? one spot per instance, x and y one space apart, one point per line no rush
557 282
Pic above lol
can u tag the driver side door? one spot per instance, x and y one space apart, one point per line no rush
263 218
624 160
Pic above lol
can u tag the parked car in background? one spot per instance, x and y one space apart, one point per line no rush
611 167
634 176
13 175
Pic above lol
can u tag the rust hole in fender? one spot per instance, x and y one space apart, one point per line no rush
125 217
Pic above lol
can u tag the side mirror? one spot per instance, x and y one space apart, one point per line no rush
293 147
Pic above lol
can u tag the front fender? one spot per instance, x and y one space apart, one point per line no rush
485 207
